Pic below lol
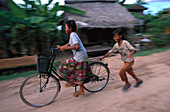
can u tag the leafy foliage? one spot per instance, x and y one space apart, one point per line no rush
156 26
16 10
29 27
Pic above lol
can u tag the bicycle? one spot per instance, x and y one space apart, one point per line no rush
42 88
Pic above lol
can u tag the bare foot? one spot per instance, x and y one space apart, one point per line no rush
76 94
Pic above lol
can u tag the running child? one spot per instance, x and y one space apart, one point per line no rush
126 51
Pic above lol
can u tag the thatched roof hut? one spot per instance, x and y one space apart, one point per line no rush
85 1
102 15
136 8
101 19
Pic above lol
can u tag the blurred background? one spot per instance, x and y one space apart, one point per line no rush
28 27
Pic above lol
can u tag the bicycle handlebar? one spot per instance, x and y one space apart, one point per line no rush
53 48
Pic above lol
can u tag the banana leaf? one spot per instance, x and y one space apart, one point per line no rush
16 10
48 26
49 2
26 2
39 1
65 8
36 19
71 9
34 5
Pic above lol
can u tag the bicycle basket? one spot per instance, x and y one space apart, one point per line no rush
43 63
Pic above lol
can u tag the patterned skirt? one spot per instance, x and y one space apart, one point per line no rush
74 72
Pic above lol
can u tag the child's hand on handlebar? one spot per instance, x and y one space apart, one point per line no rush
57 46
60 48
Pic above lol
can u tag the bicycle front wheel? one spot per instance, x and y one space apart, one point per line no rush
100 77
39 90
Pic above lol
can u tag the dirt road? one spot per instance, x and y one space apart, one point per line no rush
152 96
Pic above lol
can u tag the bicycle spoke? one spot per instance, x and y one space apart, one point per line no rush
103 72
35 92
100 78
99 70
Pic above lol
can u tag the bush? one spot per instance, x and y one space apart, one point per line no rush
161 40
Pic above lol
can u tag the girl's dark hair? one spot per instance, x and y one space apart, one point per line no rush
72 24
120 32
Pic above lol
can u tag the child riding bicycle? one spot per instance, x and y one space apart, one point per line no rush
74 70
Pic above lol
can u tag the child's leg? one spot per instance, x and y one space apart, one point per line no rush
130 71
123 71
80 92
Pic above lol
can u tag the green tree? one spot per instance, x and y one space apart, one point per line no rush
156 26
32 25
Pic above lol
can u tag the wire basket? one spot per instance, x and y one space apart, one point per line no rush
43 63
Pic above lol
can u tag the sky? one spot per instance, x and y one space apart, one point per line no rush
154 6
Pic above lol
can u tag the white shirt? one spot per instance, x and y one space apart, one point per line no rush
81 54
124 49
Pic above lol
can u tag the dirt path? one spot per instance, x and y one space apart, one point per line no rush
152 96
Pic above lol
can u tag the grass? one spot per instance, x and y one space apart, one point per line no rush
149 52
25 74
16 75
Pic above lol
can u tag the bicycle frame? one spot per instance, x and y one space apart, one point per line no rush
44 78
52 68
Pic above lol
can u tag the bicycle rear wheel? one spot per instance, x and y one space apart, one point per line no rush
39 90
100 77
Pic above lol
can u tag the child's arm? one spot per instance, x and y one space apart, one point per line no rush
58 46
67 44
114 49
67 47
133 52
130 47
61 47
104 56
74 47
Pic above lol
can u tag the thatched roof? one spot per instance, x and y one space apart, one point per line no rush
101 15
85 1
